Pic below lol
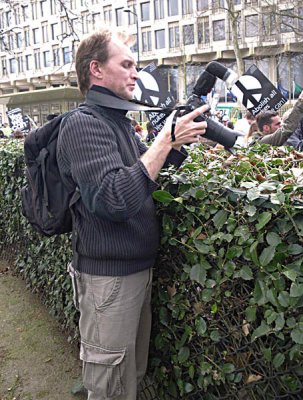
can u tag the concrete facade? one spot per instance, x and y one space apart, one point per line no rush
39 37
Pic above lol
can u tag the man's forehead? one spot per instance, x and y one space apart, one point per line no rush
117 47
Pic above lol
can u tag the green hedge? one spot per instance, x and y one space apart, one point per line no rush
228 287
42 261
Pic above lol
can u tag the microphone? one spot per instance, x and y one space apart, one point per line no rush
220 71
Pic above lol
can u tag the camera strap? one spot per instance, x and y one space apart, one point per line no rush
174 121
107 100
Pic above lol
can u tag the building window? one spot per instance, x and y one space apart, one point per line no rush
19 40
55 31
43 8
287 21
56 56
20 63
64 27
219 30
25 13
217 4
45 33
17 16
119 16
269 23
188 34
159 9
46 59
37 59
8 18
36 38
160 39
11 41
251 25
12 66
238 25
4 66
203 30
187 7
28 62
172 6
84 23
174 36
27 41
107 15
202 5
146 41
53 7
300 19
66 55
145 11
34 10
96 20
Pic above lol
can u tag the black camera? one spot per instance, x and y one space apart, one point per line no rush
215 130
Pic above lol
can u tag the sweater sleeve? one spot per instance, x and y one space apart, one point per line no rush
287 129
111 187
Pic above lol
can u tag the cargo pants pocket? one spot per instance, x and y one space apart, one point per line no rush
103 370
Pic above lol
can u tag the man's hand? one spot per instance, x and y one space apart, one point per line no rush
187 130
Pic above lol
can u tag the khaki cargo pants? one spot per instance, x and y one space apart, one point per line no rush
115 323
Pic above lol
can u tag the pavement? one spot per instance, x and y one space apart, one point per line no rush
36 360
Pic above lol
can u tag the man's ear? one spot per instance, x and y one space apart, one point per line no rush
96 69
266 128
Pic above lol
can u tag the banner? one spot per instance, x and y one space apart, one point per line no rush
152 88
257 93
18 121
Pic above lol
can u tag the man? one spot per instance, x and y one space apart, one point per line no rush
296 139
272 131
243 124
115 224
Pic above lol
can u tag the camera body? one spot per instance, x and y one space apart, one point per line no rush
215 131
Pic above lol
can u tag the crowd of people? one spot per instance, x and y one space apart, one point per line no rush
267 127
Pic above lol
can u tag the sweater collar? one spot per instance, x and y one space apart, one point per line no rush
104 90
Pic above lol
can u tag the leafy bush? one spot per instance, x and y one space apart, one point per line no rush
228 292
42 261
228 287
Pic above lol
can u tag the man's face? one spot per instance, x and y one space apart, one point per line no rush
119 74
273 126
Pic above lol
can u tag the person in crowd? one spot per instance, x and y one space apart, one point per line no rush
116 231
225 119
7 130
230 124
243 124
253 129
270 127
18 134
296 139
137 128
151 132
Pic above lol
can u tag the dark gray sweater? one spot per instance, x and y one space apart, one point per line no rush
115 219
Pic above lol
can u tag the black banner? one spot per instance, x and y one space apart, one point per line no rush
152 88
257 93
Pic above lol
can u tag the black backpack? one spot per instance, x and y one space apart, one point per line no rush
46 200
